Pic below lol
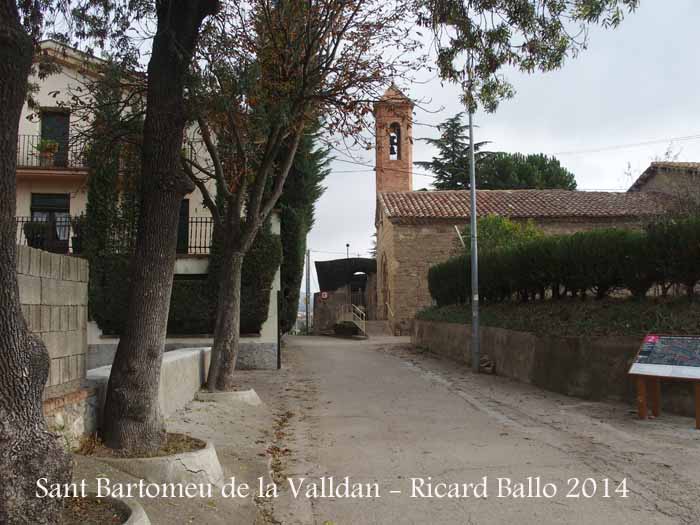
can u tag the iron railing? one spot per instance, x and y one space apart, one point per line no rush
67 154
351 313
65 235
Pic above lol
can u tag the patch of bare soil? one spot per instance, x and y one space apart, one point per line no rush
93 511
174 444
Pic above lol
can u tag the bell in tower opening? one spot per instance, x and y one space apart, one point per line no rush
395 141
393 114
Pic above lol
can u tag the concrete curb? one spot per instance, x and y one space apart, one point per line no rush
199 466
248 397
138 516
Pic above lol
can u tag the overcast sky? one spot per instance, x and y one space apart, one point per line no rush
637 83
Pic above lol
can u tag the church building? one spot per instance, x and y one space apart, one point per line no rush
416 229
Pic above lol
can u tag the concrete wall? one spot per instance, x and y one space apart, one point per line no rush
588 367
183 372
254 354
53 294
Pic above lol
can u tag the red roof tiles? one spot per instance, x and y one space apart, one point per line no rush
425 206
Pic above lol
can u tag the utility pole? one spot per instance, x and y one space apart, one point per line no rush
475 350
308 290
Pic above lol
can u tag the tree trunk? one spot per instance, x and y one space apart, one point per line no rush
227 331
28 451
132 418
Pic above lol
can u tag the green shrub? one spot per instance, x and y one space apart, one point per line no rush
37 233
640 269
448 282
676 245
600 261
189 308
602 256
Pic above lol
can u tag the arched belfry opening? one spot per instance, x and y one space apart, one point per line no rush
395 141
393 115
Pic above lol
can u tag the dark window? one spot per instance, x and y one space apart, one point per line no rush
53 208
395 142
183 227
55 124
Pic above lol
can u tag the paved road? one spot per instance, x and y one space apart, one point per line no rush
382 413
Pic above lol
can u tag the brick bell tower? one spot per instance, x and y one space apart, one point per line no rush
393 115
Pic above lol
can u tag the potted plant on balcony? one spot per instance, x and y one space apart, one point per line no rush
37 233
47 149
79 225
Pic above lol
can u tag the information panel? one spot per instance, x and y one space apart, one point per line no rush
668 356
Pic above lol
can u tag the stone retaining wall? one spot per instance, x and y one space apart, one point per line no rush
588 367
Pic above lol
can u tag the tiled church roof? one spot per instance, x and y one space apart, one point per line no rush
426 206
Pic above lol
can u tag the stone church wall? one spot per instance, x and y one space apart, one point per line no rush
411 249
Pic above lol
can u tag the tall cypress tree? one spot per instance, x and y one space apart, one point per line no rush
302 190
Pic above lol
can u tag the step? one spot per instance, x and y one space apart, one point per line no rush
378 329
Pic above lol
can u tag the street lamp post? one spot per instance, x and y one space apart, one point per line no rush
475 349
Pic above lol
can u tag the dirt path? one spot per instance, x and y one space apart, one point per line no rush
384 413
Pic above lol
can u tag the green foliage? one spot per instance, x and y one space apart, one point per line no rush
494 171
517 171
490 35
449 281
47 146
37 233
677 243
641 269
112 209
496 232
302 189
571 317
598 261
191 301
109 292
451 165
189 312
112 203
259 267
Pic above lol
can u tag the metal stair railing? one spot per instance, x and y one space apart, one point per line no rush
353 314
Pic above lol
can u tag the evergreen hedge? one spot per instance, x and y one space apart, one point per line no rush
597 262
192 309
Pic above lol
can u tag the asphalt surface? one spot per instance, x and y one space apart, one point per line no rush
396 421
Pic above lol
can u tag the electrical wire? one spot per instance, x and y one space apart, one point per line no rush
630 145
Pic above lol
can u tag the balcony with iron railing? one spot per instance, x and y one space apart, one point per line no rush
33 152
66 235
